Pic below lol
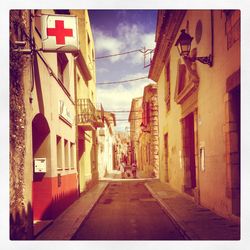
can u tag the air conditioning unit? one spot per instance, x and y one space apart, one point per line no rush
40 165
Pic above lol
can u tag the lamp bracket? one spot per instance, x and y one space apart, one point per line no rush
205 60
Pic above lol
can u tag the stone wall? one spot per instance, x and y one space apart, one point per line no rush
154 134
20 212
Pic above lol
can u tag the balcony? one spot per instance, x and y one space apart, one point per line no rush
99 118
87 116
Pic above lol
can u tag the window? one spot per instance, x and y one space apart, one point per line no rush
88 39
63 69
59 152
66 155
167 88
90 51
72 155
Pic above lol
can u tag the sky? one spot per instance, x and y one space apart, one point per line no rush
118 31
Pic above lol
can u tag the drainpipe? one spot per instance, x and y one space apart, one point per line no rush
76 127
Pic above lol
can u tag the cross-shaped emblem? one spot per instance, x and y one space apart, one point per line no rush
59 32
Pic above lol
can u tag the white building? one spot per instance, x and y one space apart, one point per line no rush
106 141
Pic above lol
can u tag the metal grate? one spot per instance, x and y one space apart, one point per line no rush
86 111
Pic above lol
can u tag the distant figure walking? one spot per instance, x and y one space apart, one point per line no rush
134 168
122 169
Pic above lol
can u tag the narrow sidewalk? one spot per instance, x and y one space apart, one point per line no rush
66 224
194 221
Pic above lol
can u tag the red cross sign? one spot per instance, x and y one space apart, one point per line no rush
59 33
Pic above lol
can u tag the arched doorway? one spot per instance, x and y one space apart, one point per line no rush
40 150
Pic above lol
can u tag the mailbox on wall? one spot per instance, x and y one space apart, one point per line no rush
40 165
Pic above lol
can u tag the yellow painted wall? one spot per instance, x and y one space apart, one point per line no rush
87 89
211 111
169 123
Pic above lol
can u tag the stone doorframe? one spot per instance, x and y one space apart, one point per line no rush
186 94
196 190
231 140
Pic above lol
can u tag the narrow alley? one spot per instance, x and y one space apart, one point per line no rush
125 125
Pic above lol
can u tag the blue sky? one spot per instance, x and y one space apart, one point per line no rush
118 31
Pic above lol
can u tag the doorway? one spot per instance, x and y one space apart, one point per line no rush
41 191
234 135
189 154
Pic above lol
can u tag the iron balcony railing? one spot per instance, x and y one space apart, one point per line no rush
86 111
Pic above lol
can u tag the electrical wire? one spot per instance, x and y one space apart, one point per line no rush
130 80
119 54
134 119
123 111
127 121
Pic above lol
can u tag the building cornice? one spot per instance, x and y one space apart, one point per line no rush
170 25
83 66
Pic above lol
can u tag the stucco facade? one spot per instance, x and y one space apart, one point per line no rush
51 113
106 143
199 107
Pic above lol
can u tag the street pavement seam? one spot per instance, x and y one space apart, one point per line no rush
187 235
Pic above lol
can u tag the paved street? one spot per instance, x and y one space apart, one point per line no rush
127 211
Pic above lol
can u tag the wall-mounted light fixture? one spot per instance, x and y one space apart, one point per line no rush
183 44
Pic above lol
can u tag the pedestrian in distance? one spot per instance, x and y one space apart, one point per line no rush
134 168
122 169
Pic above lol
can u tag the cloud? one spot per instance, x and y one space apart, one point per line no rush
129 37
107 44
103 70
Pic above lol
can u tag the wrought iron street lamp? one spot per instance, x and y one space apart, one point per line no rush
183 44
